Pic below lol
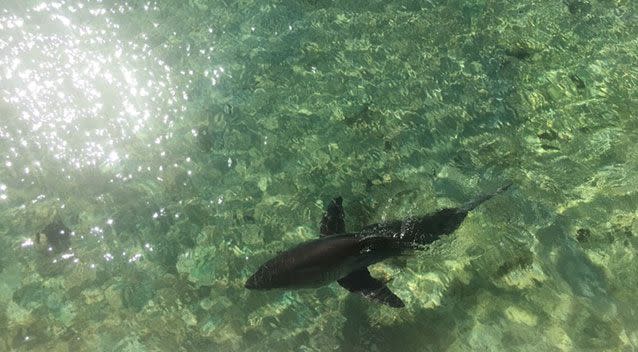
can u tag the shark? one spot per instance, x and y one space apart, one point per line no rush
345 257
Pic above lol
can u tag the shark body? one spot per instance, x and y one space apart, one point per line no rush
345 257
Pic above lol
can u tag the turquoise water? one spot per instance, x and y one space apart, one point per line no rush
179 144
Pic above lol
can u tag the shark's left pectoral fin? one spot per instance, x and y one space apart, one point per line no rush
361 282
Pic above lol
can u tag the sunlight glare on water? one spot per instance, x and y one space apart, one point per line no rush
77 91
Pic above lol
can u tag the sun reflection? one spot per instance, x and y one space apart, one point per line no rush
79 91
77 95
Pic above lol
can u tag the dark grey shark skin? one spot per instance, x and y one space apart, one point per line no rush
426 229
359 281
319 262
345 257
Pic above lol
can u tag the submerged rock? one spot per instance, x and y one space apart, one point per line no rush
54 238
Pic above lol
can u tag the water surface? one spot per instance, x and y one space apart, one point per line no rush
153 154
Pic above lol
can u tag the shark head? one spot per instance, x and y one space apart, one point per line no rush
262 279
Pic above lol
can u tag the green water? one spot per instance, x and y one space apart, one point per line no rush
180 144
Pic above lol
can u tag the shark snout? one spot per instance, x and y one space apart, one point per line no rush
251 283
259 281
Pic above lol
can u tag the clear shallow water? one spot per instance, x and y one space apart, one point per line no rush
182 144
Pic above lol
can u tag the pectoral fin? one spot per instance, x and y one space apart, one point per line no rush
361 282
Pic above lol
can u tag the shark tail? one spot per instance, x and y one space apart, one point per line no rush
479 200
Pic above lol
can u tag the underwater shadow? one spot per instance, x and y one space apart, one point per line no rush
429 330
585 278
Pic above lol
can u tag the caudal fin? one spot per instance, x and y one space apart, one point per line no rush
479 200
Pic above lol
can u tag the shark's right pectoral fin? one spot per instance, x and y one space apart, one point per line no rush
361 282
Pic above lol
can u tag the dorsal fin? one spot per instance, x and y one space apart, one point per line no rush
333 221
